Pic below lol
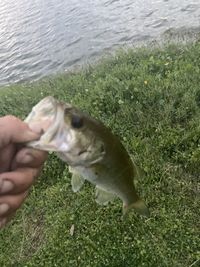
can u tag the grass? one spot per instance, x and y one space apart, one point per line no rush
151 99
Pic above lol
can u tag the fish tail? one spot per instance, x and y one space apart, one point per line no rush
139 205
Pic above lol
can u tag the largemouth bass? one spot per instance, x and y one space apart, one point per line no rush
91 150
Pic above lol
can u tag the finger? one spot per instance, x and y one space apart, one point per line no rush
6 157
16 131
17 181
9 204
29 157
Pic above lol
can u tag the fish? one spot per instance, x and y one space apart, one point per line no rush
91 151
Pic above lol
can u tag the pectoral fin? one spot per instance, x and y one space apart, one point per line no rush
103 197
139 206
77 182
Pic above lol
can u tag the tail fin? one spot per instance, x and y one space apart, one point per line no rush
139 206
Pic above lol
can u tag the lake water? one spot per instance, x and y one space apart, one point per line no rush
41 37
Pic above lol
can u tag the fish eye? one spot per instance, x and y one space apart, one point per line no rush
76 121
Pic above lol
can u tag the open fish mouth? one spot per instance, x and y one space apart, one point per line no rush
43 114
48 117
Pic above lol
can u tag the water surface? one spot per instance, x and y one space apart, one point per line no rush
41 37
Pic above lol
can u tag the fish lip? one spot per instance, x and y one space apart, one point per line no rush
56 123
44 108
48 105
53 126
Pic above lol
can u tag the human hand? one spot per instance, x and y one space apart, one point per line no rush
19 165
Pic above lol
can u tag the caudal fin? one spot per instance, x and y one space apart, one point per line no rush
139 206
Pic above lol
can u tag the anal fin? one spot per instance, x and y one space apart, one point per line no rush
77 180
102 196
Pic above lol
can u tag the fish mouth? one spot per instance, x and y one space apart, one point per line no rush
48 118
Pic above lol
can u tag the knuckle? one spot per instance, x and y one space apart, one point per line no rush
42 156
38 156
28 177
23 179
11 118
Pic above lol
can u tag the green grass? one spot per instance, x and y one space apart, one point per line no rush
151 99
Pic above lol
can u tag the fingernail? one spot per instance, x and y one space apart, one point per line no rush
6 186
27 159
2 222
32 135
4 208
36 128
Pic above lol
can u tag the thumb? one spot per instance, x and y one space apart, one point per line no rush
13 130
